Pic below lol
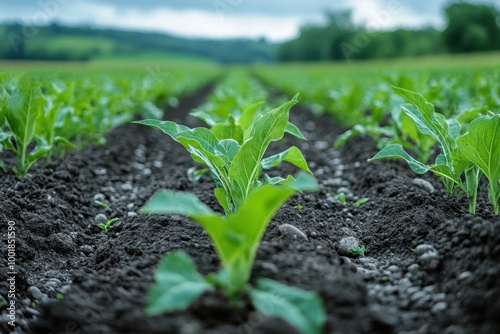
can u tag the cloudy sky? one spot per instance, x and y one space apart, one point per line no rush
275 19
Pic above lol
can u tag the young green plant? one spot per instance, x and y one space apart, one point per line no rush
24 107
236 238
105 226
471 154
236 168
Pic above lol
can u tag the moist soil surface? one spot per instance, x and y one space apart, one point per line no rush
429 266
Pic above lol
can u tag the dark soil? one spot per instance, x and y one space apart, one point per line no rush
429 266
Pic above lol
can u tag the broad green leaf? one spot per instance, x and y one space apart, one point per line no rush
228 131
41 148
169 202
223 198
427 120
273 180
194 174
24 108
294 131
481 145
177 285
237 237
396 151
445 172
303 182
201 115
246 167
64 142
303 309
292 155
203 146
249 114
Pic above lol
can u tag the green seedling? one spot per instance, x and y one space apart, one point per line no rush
236 168
105 226
472 154
341 197
361 201
299 207
59 296
358 251
101 203
236 238
23 109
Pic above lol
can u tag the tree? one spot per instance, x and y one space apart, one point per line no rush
471 28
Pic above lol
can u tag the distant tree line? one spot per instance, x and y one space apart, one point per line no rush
470 28
20 42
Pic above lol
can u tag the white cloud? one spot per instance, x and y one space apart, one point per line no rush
192 23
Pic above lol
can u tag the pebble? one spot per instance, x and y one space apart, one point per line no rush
147 172
130 206
439 307
321 145
86 249
99 197
157 164
100 171
61 241
464 276
425 248
127 187
424 184
292 230
429 261
131 214
101 218
393 268
270 267
31 312
34 292
65 289
347 244
51 284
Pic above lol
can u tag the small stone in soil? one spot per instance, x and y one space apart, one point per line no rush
61 241
86 249
34 292
424 184
292 230
101 218
131 214
347 244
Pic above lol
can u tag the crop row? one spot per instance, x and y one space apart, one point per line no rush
456 118
44 115
232 150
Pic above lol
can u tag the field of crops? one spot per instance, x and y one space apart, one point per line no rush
193 198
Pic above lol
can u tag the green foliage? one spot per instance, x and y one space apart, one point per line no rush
300 308
341 197
361 201
178 284
480 145
236 168
472 27
105 226
42 115
24 108
467 154
358 251
236 238
232 107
